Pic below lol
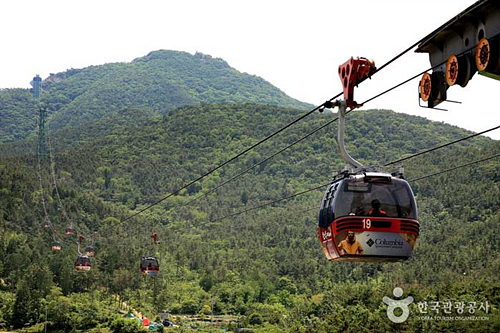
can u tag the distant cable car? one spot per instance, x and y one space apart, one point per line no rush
69 231
46 225
82 263
89 251
366 215
56 246
150 265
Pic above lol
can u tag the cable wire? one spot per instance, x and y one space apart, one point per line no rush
455 168
261 162
230 160
268 137
272 202
324 185
442 146
406 158
39 171
367 101
54 179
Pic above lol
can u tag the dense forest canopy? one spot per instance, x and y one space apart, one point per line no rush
117 146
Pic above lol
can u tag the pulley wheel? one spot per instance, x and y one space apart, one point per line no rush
482 54
452 70
425 87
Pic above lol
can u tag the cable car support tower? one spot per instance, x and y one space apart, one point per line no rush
41 116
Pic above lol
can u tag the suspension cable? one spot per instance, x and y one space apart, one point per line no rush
39 171
394 162
324 185
54 178
455 168
229 160
442 146
406 158
367 101
260 163
323 126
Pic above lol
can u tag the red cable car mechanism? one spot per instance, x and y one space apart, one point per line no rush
366 215
353 72
467 44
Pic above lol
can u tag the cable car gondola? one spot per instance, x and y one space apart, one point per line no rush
56 246
150 265
82 263
69 231
366 215
89 251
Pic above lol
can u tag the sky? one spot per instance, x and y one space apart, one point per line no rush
295 45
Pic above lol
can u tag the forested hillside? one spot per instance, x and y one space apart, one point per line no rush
266 266
162 81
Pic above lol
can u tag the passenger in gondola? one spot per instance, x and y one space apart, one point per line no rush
375 210
350 245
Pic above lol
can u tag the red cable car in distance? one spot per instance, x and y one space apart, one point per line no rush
89 251
82 264
150 265
56 246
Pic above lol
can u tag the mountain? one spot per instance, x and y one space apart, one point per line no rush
266 266
161 81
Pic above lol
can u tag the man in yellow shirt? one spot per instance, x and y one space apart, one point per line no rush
350 245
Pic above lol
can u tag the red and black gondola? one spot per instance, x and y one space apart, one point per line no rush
368 216
56 246
150 265
82 263
89 251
